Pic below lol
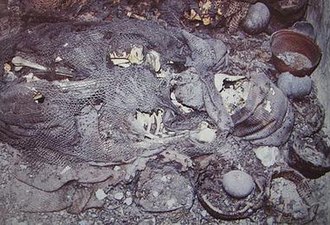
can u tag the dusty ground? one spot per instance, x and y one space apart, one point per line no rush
120 207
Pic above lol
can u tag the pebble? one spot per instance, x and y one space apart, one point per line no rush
171 202
204 213
117 168
23 223
155 193
100 194
238 184
118 196
148 221
294 87
23 167
257 19
204 134
128 201
270 221
84 222
267 155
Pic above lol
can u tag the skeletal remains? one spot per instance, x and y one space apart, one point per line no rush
127 92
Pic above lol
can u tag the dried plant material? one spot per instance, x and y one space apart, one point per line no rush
192 15
205 5
210 12
207 20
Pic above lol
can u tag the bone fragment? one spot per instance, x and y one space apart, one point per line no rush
20 62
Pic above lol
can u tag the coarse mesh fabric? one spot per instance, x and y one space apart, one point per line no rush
83 107
88 118
68 113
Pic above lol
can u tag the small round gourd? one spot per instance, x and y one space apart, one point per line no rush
293 86
238 184
257 19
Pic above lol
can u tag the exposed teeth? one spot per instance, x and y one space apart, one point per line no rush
153 60
20 62
120 59
136 55
121 62
150 125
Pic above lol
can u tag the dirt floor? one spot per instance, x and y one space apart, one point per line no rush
120 207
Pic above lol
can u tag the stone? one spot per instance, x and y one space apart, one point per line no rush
238 184
85 222
294 87
267 155
257 19
118 195
204 134
148 221
100 194
128 201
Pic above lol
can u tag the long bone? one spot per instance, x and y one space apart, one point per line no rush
20 62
